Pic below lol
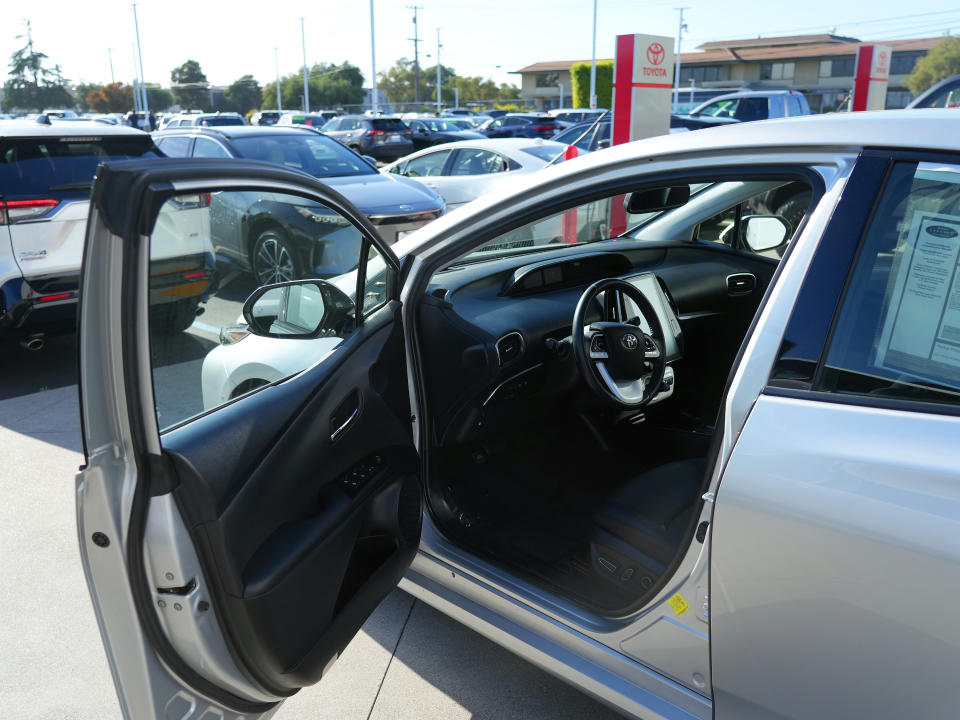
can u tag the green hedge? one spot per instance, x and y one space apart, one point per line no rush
580 77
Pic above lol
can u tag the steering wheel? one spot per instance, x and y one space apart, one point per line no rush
620 363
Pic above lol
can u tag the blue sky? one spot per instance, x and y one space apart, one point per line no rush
479 37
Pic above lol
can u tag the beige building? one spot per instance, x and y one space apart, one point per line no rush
820 66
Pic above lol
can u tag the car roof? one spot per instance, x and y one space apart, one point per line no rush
230 131
919 101
499 145
78 128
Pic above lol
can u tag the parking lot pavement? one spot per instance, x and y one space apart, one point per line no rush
409 661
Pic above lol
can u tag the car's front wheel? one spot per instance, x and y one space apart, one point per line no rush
274 258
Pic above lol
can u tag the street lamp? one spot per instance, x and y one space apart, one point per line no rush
593 62
306 87
143 87
438 70
276 63
373 63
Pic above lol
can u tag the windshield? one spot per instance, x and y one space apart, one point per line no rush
547 153
54 166
441 125
222 120
312 153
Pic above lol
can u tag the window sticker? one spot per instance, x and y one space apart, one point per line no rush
921 332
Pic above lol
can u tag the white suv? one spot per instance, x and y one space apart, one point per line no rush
45 175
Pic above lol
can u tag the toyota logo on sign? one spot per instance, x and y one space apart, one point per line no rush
656 53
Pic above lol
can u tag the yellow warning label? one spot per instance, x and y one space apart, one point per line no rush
678 604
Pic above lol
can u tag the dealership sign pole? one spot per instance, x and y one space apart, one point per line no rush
642 85
871 77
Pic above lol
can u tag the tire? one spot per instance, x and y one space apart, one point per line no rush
172 318
793 209
274 258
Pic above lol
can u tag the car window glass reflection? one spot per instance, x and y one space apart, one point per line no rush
208 253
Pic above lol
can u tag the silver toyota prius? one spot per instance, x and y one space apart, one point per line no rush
676 421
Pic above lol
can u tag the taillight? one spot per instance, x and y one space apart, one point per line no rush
377 132
543 127
12 211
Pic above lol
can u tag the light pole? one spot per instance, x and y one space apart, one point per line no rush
593 62
560 85
136 83
373 63
276 63
438 70
110 59
143 87
676 67
306 87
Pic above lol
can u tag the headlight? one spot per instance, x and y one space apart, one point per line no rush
233 334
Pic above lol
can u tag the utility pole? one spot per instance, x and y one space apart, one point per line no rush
136 91
143 86
373 62
276 62
306 87
110 59
438 70
416 52
593 62
676 65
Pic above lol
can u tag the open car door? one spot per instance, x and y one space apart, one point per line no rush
248 499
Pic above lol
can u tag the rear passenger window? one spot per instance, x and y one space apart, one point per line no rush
898 332
174 146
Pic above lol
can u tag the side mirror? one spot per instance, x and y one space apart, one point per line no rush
424 131
300 309
603 144
764 232
656 199
370 159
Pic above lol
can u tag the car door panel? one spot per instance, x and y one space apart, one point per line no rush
278 536
296 508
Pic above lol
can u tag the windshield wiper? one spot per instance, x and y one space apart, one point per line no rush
72 186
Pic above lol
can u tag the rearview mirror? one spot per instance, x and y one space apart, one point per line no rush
298 310
764 232
656 199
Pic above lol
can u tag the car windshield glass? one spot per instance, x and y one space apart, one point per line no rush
547 153
312 153
441 125
213 121
389 124
62 165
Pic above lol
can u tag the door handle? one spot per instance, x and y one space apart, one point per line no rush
344 425
344 415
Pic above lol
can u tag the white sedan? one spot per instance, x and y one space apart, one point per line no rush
463 171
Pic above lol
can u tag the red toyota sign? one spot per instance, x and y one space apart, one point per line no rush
655 53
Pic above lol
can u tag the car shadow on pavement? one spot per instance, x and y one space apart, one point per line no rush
441 668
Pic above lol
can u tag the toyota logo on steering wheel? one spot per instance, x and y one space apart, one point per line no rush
629 341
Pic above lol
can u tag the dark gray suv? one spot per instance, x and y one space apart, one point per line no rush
382 138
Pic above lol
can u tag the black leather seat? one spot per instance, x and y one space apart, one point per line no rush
651 511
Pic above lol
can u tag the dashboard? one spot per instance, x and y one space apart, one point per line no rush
494 331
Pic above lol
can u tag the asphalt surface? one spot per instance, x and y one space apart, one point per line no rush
408 661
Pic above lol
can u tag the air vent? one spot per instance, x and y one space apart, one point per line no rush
509 347
741 284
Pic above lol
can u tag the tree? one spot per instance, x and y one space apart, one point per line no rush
398 84
243 95
158 98
330 86
941 62
112 98
82 90
189 85
31 85
580 78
